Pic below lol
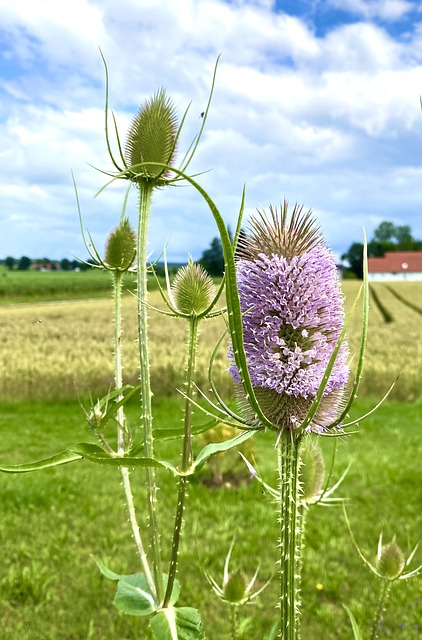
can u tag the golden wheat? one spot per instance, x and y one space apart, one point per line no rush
65 349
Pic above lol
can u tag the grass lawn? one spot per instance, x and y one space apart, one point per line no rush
52 521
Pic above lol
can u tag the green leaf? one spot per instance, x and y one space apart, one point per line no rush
218 447
60 458
133 596
356 631
178 432
182 623
94 453
273 632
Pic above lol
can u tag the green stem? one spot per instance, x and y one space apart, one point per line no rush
385 591
187 457
233 621
145 198
288 465
121 430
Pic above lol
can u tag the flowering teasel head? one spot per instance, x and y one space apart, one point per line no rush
293 316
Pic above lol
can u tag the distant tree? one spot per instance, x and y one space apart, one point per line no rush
387 237
213 259
24 263
65 265
354 257
10 262
385 232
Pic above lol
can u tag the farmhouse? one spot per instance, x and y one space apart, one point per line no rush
395 266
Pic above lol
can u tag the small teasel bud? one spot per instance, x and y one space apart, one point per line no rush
120 247
235 589
192 289
390 560
311 470
152 137
95 416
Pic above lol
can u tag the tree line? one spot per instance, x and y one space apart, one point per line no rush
386 237
24 264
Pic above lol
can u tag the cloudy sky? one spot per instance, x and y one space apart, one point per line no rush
316 101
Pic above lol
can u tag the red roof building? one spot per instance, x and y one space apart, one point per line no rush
396 265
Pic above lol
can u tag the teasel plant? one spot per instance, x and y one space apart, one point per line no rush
236 591
146 163
289 356
390 567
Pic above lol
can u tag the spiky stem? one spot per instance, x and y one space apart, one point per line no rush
145 198
288 466
233 621
376 625
121 430
187 456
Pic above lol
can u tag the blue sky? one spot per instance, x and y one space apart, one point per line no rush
316 101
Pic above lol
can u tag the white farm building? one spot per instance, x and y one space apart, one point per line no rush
395 266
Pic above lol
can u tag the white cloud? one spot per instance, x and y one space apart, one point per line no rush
328 121
384 9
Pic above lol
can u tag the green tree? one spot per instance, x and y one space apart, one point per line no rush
24 263
354 257
385 232
212 259
10 262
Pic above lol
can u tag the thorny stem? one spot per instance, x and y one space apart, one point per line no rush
118 377
376 626
288 465
187 456
145 198
233 621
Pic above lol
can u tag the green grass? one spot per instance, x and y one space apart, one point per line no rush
53 520
29 286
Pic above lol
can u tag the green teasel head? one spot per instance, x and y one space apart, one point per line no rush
192 289
235 588
152 137
120 248
390 560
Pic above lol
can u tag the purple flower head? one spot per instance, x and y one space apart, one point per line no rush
293 315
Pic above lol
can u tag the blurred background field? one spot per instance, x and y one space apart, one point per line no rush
55 353
61 349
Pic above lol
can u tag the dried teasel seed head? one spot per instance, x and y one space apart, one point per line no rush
192 289
120 247
390 560
152 137
311 470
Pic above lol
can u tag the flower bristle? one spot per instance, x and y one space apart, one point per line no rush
281 233
152 137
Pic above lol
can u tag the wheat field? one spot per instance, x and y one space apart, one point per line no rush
60 350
